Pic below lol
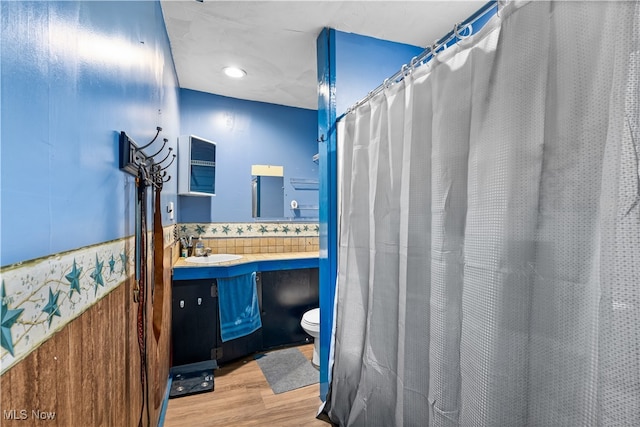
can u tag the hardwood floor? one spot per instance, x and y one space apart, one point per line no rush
242 397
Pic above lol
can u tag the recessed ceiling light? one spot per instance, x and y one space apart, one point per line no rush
234 72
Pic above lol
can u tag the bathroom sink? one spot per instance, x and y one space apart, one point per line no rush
212 259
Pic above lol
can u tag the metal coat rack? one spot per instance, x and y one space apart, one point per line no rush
150 170
136 162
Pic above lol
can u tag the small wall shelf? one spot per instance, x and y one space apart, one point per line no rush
203 163
304 183
196 166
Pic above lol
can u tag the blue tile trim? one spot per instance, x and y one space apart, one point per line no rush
210 272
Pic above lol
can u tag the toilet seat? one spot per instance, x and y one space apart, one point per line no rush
311 319
311 324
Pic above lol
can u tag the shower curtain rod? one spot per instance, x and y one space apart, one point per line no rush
428 53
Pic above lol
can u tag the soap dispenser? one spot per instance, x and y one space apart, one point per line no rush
200 247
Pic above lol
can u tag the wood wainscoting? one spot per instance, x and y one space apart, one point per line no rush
88 374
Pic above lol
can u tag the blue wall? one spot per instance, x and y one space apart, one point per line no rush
73 75
363 63
247 133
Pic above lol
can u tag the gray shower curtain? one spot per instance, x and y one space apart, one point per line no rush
489 247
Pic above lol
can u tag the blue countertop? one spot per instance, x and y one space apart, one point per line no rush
247 264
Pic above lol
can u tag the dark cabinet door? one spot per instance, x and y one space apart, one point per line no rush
286 296
194 321
241 346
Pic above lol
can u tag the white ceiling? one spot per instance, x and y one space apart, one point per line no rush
275 41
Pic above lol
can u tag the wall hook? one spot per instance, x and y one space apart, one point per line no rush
134 161
169 164
158 130
164 143
166 157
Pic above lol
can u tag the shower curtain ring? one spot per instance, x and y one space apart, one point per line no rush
457 32
413 63
405 70
500 5
434 48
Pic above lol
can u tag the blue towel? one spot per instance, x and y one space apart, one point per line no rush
238 306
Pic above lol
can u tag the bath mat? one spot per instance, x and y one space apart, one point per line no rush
287 369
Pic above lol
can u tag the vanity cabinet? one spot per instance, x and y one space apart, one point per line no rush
195 326
283 296
196 166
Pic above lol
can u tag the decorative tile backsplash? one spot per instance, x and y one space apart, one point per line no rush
254 238
260 245
251 229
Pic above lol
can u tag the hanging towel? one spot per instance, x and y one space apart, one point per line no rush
238 306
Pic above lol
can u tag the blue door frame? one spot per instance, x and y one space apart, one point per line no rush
328 196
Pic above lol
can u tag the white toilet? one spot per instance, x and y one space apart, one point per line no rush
311 324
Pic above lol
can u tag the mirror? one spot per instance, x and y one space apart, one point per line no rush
267 192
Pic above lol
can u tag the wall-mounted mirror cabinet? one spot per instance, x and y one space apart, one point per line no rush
196 166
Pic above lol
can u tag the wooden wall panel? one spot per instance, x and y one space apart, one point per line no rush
89 372
61 366
163 346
